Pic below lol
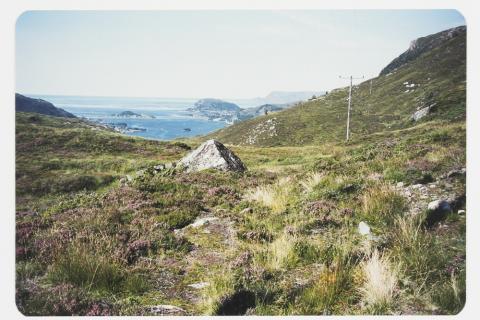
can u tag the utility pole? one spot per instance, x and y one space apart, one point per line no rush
349 102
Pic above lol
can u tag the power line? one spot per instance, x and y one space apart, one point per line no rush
349 102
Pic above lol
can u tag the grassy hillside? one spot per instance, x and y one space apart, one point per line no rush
439 77
284 238
59 156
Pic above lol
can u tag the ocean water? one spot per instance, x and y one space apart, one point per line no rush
171 117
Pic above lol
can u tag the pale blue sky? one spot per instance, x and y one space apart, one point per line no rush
224 54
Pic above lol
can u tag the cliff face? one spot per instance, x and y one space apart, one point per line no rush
422 45
27 104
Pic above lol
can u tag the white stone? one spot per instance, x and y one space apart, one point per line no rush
363 228
199 285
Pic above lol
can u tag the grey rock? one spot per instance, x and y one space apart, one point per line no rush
436 211
456 173
421 113
165 309
170 165
212 155
159 167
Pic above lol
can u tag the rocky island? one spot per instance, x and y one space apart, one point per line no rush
131 114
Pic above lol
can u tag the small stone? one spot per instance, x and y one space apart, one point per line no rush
246 210
400 184
170 165
129 178
461 212
363 228
159 167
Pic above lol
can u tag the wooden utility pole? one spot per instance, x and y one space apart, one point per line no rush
349 102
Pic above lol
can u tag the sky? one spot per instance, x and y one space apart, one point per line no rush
221 54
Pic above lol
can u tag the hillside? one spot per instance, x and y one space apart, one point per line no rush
26 104
434 76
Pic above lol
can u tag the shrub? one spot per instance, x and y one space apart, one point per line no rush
381 205
415 250
312 180
275 196
332 285
450 296
81 267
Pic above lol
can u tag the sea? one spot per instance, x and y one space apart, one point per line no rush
171 119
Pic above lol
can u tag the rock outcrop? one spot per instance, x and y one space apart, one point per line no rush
420 113
212 155
422 45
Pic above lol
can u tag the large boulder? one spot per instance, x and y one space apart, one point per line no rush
212 155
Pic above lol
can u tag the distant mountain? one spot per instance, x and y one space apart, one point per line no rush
262 110
276 97
27 104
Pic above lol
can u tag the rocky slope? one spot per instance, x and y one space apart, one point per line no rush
26 104
433 80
